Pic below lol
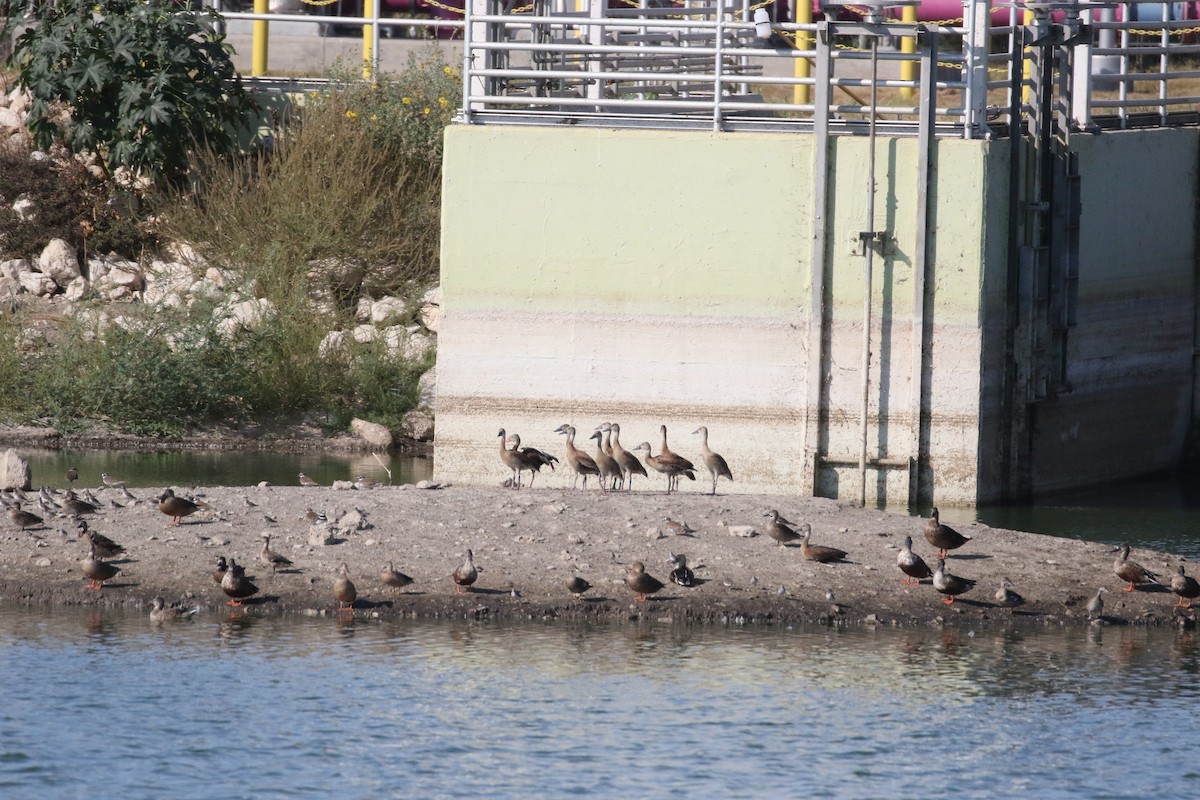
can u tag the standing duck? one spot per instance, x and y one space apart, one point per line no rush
610 470
105 547
236 585
780 529
715 463
511 459
218 574
1095 606
668 464
950 585
1006 597
532 460
817 552
390 576
176 507
1131 572
943 537
642 583
681 573
96 570
270 558
581 463
577 586
1186 587
912 565
629 463
465 574
343 589
24 519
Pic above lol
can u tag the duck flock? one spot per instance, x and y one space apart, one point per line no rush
614 469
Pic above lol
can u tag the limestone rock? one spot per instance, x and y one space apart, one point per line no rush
745 531
59 262
321 536
9 288
362 311
10 120
24 207
246 315
431 309
77 289
372 433
13 267
418 425
15 472
334 343
387 310
427 386
365 333
38 284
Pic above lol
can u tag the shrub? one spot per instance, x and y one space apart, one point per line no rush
145 81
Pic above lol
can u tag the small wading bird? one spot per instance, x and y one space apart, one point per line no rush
642 583
1131 572
943 537
912 565
950 585
465 574
307 481
714 462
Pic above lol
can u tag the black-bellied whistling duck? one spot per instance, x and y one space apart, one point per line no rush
911 564
642 583
819 552
465 574
1006 597
950 585
610 470
344 590
532 459
668 464
1186 587
714 462
581 463
511 459
1131 572
630 465
780 529
943 537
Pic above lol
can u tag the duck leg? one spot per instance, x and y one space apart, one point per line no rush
948 600
1181 604
1129 588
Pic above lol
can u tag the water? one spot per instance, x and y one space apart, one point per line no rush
159 468
105 703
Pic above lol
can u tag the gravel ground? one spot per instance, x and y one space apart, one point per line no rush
529 543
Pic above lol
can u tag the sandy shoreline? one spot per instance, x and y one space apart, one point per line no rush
528 544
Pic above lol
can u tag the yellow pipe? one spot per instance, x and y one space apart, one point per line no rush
1026 64
803 68
258 41
908 46
368 50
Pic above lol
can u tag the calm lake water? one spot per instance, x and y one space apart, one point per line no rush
107 704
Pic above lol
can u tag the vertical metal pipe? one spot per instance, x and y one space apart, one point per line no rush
258 41
868 276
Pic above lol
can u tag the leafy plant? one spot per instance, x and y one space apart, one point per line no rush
139 82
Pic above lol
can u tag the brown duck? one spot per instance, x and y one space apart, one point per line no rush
780 529
236 585
465 574
713 462
669 464
105 547
819 552
390 576
1006 597
96 570
531 459
630 465
218 574
912 565
610 470
24 519
943 537
1131 572
580 462
270 558
1186 587
176 507
641 582
577 586
950 585
343 589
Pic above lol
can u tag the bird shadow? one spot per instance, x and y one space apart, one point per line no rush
967 556
481 590
369 604
1153 588
289 571
125 585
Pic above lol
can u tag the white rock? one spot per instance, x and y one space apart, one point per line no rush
9 288
77 289
334 342
744 531
124 275
10 120
372 433
24 208
60 262
362 311
215 276
365 333
13 267
387 309
38 284
246 315
427 386
342 486
15 472
418 424
431 309
184 254
116 293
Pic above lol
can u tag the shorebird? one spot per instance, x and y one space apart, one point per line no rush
307 481
673 527
109 480
72 475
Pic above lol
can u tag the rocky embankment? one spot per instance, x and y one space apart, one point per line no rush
529 544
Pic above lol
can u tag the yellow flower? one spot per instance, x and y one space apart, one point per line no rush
426 109
351 115
449 71
374 118
443 102
407 101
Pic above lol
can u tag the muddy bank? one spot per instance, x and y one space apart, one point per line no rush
528 544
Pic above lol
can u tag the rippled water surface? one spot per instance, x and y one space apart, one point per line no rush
106 704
